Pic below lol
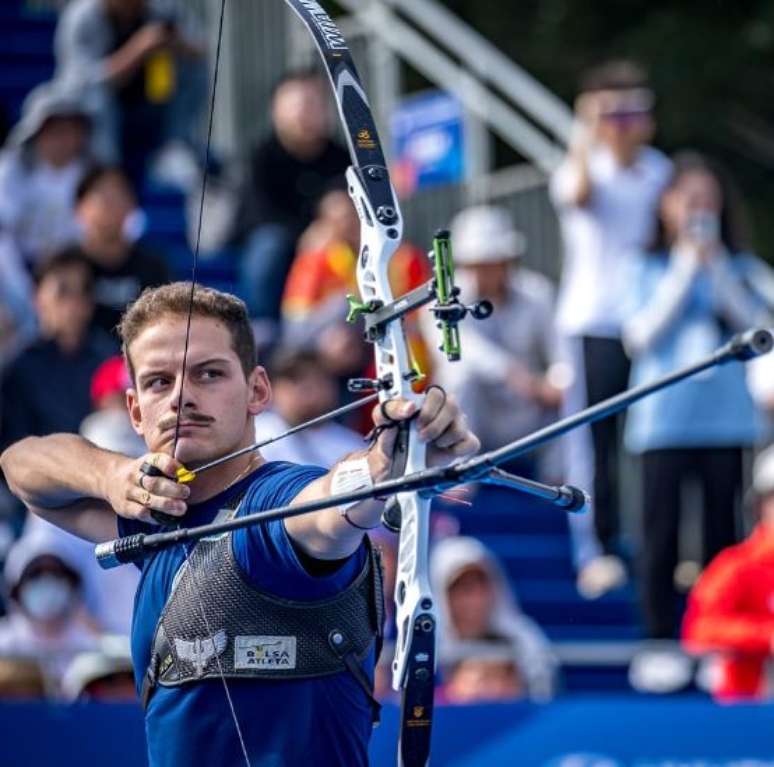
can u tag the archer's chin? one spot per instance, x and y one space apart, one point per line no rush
194 452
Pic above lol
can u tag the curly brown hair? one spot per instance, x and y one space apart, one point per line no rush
174 299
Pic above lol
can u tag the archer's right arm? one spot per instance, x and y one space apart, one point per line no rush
79 487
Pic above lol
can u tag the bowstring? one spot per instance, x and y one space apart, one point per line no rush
194 268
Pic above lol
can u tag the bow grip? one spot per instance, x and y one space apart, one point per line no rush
391 516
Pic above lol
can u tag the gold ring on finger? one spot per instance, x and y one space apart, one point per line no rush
146 498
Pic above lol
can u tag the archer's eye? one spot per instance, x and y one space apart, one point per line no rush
157 383
210 374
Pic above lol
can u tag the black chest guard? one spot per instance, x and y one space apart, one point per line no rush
217 623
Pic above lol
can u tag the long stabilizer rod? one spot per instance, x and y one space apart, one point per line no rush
743 347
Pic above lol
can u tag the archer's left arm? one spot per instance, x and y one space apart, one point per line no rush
329 534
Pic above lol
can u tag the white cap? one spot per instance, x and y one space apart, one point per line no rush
113 657
47 100
485 234
763 472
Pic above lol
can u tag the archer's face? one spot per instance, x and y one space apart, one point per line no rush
218 404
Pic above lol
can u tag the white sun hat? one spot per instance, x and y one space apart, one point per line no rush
485 234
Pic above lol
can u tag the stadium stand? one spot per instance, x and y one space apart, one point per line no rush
532 541
26 58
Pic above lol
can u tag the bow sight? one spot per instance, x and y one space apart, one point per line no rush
447 308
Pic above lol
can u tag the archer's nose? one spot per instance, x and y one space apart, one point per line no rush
182 401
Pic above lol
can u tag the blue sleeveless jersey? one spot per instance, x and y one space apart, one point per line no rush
325 721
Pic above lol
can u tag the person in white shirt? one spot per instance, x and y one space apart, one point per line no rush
606 193
302 389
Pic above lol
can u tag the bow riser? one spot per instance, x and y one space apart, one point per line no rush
413 666
381 230
412 591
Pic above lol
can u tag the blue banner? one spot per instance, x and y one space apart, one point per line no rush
427 135
610 731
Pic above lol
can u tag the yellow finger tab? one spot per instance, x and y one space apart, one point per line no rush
185 475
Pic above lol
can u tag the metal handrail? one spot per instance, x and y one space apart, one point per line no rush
490 64
443 70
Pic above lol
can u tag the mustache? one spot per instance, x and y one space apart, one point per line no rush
196 418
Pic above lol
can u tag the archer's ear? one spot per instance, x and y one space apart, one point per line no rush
133 407
259 395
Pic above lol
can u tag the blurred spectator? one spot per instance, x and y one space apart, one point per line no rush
13 330
104 675
289 172
107 213
760 380
21 679
509 380
476 604
40 167
760 371
108 596
5 124
302 389
140 66
489 675
46 389
730 608
320 278
46 619
685 297
109 426
606 192
324 273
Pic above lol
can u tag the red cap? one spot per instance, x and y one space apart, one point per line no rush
110 378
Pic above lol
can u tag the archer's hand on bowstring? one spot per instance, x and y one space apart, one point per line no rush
440 424
133 493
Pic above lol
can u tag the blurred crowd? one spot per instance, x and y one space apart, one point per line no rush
657 273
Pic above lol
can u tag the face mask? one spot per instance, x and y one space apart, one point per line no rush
703 226
46 597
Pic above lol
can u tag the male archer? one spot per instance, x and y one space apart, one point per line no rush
285 616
